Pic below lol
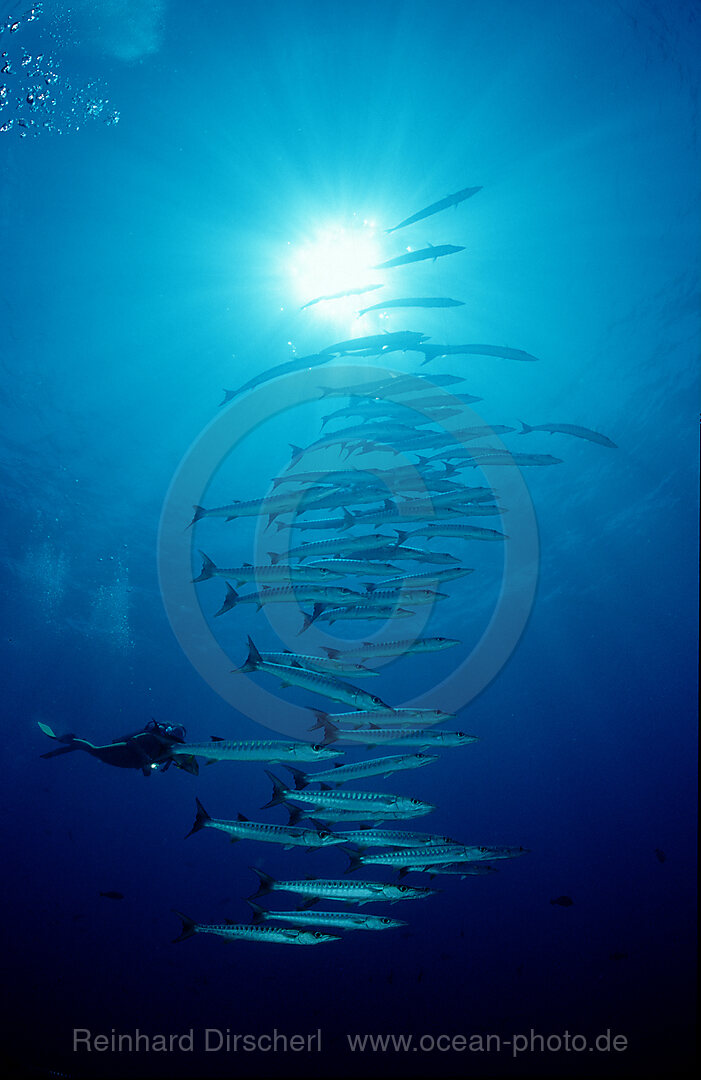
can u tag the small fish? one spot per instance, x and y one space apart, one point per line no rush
355 892
563 901
341 295
660 855
429 252
267 750
442 204
414 302
112 895
618 956
359 770
243 829
280 935
341 920
569 429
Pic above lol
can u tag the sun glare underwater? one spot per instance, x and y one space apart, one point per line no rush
349 457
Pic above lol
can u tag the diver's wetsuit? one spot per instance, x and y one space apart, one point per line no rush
148 749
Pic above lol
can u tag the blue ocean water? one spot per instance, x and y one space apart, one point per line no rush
166 210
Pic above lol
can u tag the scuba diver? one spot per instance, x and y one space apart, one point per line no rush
148 749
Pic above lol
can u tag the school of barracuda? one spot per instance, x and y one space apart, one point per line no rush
430 499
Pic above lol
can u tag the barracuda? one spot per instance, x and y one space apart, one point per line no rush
457 529
396 838
340 920
272 506
326 685
334 546
407 595
357 566
280 935
369 649
289 594
364 805
358 770
321 664
362 718
372 736
268 750
364 612
242 829
354 892
435 576
418 858
278 573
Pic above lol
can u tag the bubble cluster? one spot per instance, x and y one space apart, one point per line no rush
36 96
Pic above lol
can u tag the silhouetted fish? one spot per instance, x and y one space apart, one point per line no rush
563 901
112 895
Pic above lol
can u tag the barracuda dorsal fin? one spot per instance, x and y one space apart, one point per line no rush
242 817
217 738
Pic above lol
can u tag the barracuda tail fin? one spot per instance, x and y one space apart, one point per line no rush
401 536
321 718
229 395
189 927
199 512
258 912
354 856
525 428
348 520
230 600
274 557
309 619
267 883
209 569
301 778
253 660
201 819
279 791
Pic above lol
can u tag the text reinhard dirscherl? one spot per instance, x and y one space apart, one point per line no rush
215 1040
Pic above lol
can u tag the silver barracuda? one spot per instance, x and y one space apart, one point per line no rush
299 363
450 200
429 252
340 295
359 770
356 566
363 718
335 546
278 573
432 352
275 935
272 506
456 529
362 805
365 612
288 836
414 302
326 685
463 870
319 663
353 892
368 649
569 429
398 340
394 838
338 920
424 577
398 736
418 858
396 384
268 750
326 595
407 595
